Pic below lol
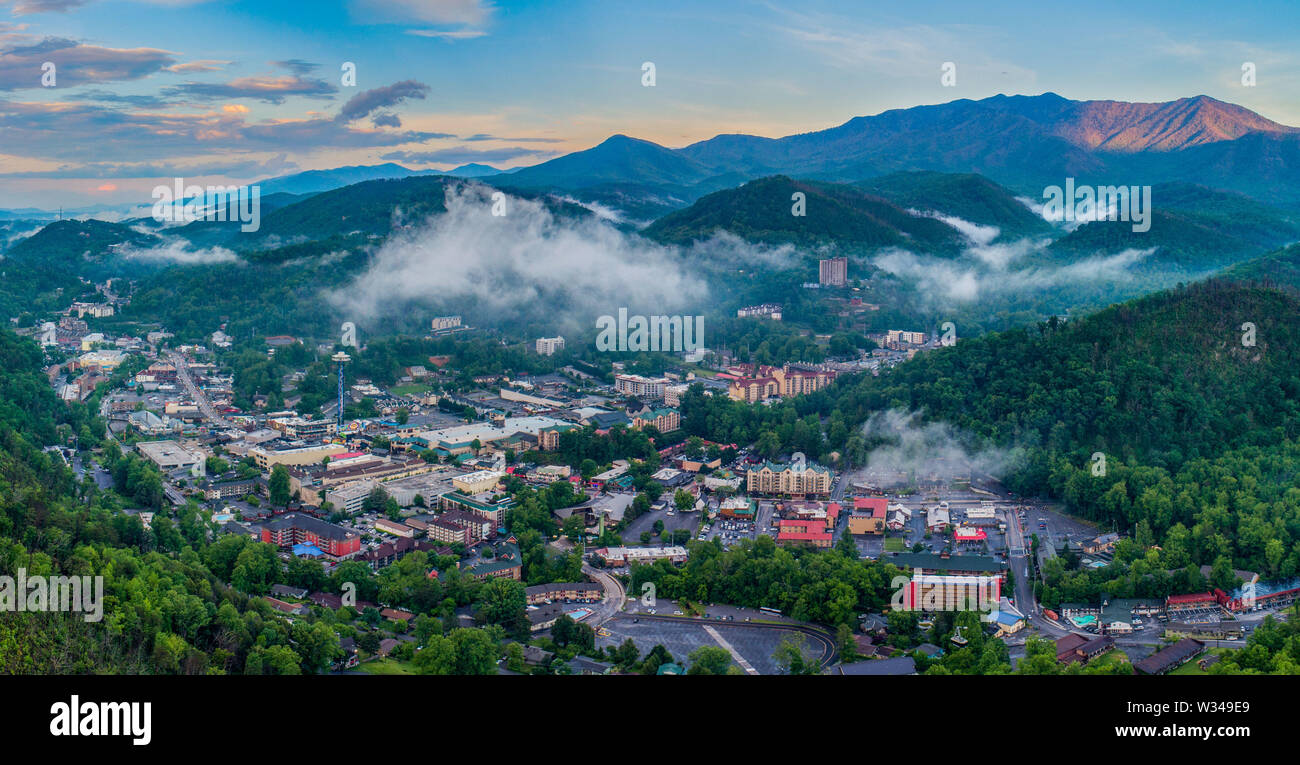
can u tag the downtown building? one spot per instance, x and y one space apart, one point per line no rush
641 387
833 272
788 480
768 382
298 529
940 592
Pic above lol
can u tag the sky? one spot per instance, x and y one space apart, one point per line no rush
228 91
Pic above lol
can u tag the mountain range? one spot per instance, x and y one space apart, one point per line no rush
1024 142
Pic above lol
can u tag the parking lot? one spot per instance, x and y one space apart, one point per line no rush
681 635
689 521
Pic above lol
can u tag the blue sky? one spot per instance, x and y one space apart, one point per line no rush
235 91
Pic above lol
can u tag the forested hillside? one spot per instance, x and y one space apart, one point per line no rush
1197 418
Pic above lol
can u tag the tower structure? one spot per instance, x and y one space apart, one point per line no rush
342 360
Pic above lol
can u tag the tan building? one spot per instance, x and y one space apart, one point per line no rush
394 528
305 455
789 480
447 532
477 482
665 420
768 382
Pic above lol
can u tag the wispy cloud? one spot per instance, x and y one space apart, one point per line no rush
453 19
22 59
362 104
461 155
267 88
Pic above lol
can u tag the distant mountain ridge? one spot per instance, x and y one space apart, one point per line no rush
1024 142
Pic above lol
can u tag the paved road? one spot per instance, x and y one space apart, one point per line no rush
200 398
614 598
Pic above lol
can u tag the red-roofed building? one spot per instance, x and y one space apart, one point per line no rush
296 528
800 530
868 516
969 534
1195 602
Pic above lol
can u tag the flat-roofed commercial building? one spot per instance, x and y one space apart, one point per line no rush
170 455
477 482
302 428
460 439
302 455
620 556
349 498
394 528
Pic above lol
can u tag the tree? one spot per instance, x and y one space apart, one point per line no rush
504 603
653 660
515 658
318 646
683 500
1040 658
573 527
709 660
846 546
256 569
465 651
278 486
847 642
375 501
369 642
626 655
789 656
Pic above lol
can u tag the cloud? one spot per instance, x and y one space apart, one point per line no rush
87 132
201 65
75 63
925 451
725 251
297 65
219 168
28 7
135 101
527 260
456 34
460 155
486 137
904 51
974 232
179 251
604 212
362 104
465 12
436 19
272 90
943 281
386 119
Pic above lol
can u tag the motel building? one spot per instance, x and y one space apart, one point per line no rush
935 592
